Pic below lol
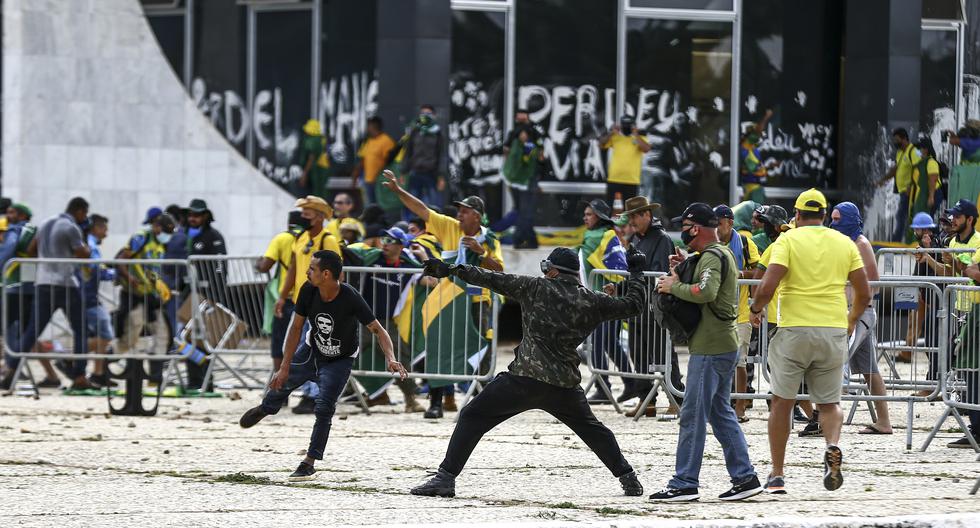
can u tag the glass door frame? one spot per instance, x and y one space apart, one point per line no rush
957 26
627 11
187 11
251 43
507 8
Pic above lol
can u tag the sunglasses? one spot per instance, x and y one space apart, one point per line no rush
308 248
390 240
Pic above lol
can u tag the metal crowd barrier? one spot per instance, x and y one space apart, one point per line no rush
910 315
233 310
113 309
961 383
636 350
901 261
441 331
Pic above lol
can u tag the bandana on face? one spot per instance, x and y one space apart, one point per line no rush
850 223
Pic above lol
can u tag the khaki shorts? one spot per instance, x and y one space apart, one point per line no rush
744 333
811 353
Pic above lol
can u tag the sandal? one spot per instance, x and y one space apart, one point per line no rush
743 419
872 430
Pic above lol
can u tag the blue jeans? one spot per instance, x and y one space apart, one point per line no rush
422 185
605 344
708 400
330 376
47 300
901 217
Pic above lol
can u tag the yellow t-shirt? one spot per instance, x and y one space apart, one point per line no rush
818 260
304 247
280 251
374 153
906 160
743 291
626 160
965 300
447 230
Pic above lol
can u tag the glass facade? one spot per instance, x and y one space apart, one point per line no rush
567 58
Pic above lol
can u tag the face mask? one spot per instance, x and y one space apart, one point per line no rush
753 138
193 232
309 224
627 129
425 119
302 223
163 238
770 231
687 237
898 146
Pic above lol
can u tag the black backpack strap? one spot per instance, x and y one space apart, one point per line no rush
724 274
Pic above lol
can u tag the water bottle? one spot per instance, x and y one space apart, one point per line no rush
192 353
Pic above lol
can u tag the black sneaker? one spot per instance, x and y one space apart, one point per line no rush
675 495
305 406
811 429
303 472
252 417
775 485
631 485
442 484
749 488
963 443
832 460
798 415
49 383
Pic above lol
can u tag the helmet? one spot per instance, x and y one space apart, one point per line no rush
923 221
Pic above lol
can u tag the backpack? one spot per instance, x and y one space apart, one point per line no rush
681 318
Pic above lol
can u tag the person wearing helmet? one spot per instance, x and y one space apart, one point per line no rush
545 372
773 219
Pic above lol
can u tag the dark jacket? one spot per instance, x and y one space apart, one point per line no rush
656 245
558 314
423 151
210 274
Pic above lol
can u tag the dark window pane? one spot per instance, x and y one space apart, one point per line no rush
476 87
942 9
349 84
218 85
282 91
566 77
938 88
791 57
686 115
169 31
716 5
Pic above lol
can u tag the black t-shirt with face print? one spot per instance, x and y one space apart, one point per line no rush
334 329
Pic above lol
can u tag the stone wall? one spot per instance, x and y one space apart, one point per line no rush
92 108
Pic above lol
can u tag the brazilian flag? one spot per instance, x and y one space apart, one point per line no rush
453 344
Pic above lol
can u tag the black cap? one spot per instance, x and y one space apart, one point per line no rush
199 206
564 258
600 208
473 202
963 207
699 213
723 211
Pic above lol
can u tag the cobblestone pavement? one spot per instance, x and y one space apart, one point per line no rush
64 462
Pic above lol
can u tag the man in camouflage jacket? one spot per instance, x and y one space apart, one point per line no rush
558 314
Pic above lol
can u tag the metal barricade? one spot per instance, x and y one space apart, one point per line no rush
903 261
103 310
636 350
960 361
442 330
234 309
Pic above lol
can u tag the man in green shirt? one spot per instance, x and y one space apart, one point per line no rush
714 353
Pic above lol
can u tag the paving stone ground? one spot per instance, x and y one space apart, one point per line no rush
64 462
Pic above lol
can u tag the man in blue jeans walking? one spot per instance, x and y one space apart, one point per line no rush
327 353
714 353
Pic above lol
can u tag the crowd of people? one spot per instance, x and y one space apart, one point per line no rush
148 291
814 265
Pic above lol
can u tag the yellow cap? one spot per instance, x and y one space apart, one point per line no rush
811 200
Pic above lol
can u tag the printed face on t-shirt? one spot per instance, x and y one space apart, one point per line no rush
327 345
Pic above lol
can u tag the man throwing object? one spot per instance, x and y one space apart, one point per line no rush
558 313
327 353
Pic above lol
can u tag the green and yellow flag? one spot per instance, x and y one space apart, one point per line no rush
453 344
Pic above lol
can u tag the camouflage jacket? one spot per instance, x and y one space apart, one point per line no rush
558 314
